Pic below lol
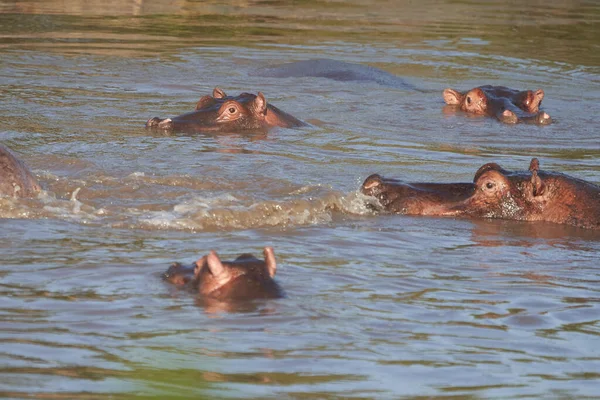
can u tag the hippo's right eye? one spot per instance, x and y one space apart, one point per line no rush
232 110
469 100
490 185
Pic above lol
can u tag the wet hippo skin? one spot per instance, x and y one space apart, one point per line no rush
223 113
15 178
246 277
532 195
507 105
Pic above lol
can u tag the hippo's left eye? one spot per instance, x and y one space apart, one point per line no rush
490 185
469 100
232 110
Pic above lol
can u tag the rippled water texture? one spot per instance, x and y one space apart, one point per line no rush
377 306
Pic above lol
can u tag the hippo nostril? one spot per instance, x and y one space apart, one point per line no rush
543 118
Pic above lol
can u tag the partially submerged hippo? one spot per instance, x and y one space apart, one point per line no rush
508 105
244 278
532 195
336 70
222 113
15 178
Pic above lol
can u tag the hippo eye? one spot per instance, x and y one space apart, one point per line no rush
490 185
469 100
231 110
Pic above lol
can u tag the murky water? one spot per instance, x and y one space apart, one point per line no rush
376 306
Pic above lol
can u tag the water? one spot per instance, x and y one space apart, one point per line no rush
376 306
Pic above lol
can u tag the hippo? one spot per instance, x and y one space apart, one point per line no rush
532 195
15 178
244 278
223 113
507 105
335 70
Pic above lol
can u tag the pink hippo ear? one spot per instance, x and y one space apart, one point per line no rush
453 97
218 93
270 261
537 185
215 266
259 104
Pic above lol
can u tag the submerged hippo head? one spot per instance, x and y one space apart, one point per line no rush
15 178
244 278
531 195
508 105
222 113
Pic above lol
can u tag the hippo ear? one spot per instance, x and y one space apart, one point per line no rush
218 93
270 261
534 165
537 185
453 97
259 104
215 266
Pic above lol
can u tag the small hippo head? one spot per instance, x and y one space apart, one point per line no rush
508 105
222 113
531 195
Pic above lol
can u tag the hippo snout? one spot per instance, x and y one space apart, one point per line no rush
160 123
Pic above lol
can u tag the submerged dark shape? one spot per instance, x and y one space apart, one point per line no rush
222 113
336 70
531 195
244 278
15 178
507 105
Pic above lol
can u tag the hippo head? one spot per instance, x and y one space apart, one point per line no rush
508 105
244 278
531 195
222 113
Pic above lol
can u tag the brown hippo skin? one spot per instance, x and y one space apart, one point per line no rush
531 195
222 113
507 105
15 178
244 278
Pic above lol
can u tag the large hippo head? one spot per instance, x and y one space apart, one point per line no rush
508 105
15 178
222 113
531 195
246 277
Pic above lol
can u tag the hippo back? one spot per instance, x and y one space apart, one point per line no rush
15 178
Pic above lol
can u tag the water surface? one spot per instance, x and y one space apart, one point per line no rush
377 306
